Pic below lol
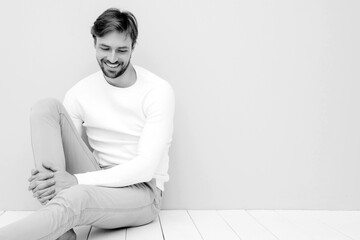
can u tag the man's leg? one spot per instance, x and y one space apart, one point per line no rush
55 140
101 207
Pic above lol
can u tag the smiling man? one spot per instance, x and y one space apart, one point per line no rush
114 59
126 114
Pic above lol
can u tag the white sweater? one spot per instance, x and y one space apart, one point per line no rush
129 128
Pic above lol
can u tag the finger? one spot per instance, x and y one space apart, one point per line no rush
45 192
34 171
32 185
41 176
43 184
33 177
47 198
37 194
44 176
44 200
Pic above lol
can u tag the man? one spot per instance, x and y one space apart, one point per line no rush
127 114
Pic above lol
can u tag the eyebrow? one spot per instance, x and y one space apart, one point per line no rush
104 45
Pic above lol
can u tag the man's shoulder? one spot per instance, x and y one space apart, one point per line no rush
150 78
88 81
91 79
156 88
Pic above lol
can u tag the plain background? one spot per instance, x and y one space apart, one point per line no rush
267 92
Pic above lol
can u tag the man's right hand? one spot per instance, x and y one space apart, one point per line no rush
42 185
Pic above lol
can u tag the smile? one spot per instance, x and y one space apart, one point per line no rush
112 65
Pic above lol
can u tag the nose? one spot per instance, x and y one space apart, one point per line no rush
112 57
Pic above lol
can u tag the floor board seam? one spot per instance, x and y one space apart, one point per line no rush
2 212
228 224
88 235
161 227
266 229
298 227
195 224
337 230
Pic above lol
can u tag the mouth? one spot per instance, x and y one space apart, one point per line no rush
112 65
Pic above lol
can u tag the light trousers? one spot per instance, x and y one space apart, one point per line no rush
55 139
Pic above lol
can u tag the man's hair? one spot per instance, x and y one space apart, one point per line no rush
115 20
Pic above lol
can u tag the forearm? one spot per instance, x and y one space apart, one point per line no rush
130 173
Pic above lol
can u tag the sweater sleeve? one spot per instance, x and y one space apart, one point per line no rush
154 143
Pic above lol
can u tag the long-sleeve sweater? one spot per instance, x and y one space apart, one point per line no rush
130 129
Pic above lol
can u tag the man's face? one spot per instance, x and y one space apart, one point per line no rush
113 53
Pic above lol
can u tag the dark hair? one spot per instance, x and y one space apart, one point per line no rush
115 20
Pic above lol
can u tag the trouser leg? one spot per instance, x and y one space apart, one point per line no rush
54 139
101 207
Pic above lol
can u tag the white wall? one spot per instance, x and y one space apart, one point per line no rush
267 95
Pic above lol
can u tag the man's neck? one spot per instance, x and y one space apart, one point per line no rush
127 79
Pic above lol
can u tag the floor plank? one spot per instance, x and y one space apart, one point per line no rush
106 234
278 225
12 216
312 226
346 222
246 227
212 226
177 225
151 231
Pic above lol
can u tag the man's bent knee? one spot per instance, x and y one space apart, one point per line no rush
45 107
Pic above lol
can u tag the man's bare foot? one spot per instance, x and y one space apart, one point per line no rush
69 235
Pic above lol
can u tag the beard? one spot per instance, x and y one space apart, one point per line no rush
113 73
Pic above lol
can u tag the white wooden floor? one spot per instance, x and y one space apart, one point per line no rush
229 225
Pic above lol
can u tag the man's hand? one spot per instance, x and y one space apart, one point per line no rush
47 184
42 185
